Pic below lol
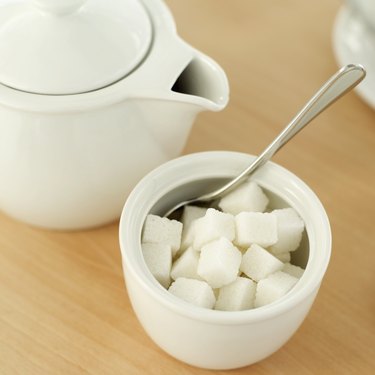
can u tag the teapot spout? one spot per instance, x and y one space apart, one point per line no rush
203 83
169 101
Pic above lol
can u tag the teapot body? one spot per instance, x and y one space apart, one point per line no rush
69 161
74 170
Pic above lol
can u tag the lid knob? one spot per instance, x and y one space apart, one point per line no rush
59 7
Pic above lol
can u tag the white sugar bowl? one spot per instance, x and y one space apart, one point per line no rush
93 95
209 338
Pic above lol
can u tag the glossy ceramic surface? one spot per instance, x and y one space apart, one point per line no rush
365 9
220 339
354 41
69 161
70 47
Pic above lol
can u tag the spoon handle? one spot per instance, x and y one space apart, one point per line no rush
339 84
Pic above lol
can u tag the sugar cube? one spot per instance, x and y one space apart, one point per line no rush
187 238
219 262
236 296
256 227
197 292
293 270
213 225
257 263
273 287
231 260
247 197
158 229
188 219
158 258
191 213
216 292
289 230
186 265
284 257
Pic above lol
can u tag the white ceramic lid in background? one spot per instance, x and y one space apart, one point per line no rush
70 46
354 40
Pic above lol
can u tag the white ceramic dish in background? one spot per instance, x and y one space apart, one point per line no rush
93 95
354 41
220 339
365 9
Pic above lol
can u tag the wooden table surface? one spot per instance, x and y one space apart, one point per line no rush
63 305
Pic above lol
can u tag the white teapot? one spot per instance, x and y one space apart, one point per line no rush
93 95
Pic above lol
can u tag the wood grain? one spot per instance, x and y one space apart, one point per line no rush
63 305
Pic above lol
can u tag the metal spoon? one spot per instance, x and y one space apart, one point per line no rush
339 84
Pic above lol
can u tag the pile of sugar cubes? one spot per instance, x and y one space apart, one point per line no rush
232 259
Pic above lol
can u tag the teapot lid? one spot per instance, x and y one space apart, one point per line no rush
62 47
